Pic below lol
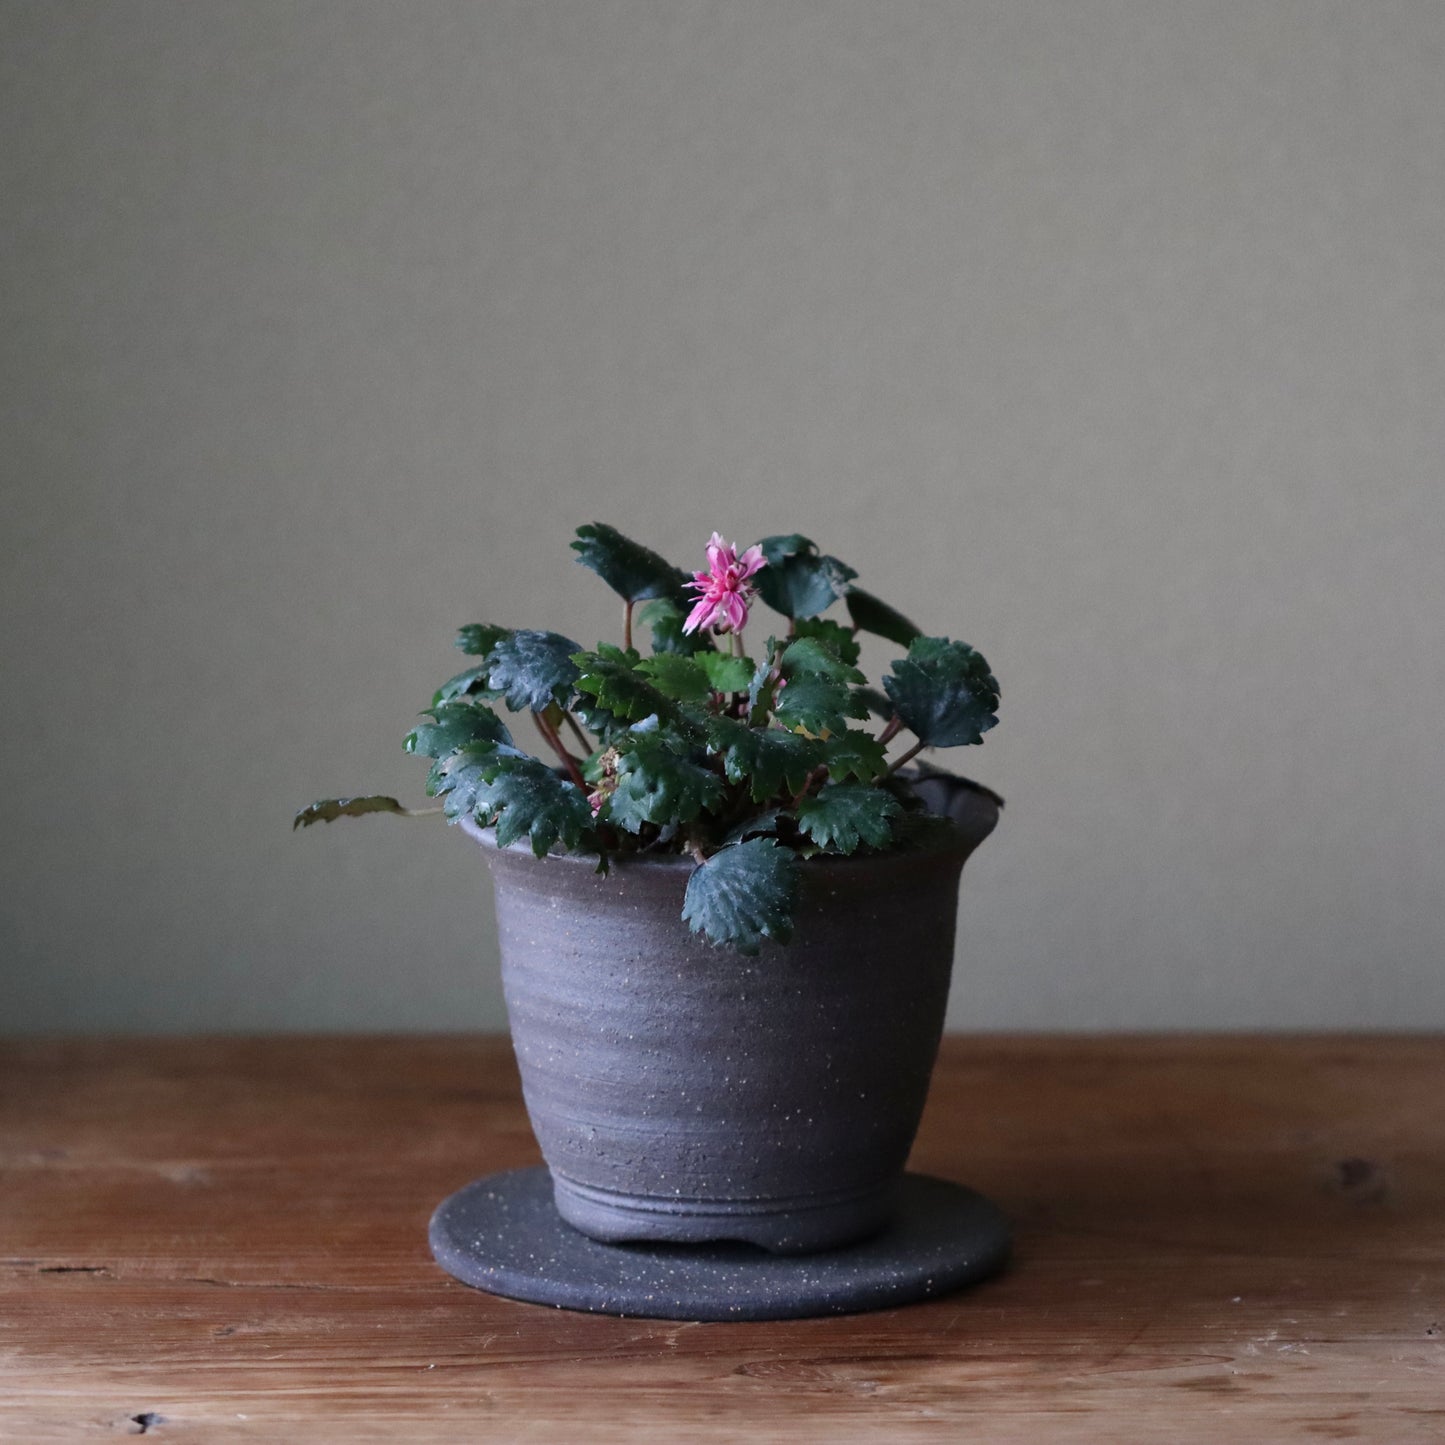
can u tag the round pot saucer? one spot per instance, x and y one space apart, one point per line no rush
503 1234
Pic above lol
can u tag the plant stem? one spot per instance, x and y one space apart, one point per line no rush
907 757
891 731
555 743
577 730
627 626
818 773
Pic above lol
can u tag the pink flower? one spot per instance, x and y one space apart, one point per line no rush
723 595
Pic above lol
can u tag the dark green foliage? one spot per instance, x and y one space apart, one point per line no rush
665 618
845 815
527 799
459 777
692 748
764 825
817 704
479 638
631 570
726 673
872 615
471 683
944 692
456 725
743 894
766 759
533 669
855 754
798 581
683 679
656 785
328 810
612 677
811 655
837 638
598 720
763 684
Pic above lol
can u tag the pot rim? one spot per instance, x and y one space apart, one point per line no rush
960 841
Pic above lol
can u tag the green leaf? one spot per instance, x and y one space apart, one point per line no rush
765 824
797 581
761 684
811 656
479 638
471 683
328 810
612 677
725 673
655 785
845 815
631 570
456 725
944 692
526 798
683 679
872 615
533 669
765 759
855 754
666 617
816 704
743 894
460 777
598 720
832 635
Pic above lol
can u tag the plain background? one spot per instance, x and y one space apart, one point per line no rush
1109 337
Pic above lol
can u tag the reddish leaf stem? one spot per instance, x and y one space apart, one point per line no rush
555 743
577 731
818 773
907 757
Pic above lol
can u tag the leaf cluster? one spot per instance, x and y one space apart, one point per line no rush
746 763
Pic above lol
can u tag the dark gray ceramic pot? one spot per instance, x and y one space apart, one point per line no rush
684 1093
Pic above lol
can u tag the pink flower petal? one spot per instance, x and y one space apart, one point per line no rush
700 615
735 610
723 599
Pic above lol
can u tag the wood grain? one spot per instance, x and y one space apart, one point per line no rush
225 1239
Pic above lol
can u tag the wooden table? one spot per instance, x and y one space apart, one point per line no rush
1237 1238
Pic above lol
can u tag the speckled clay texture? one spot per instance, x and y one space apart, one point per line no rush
682 1092
502 1235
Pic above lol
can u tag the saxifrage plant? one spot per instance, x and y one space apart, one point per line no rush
747 763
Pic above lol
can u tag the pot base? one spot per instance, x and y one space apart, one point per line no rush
503 1234
797 1227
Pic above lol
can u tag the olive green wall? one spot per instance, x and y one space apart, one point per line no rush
1108 337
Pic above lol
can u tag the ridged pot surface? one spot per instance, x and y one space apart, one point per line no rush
683 1092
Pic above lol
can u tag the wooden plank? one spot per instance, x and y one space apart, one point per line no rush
226 1239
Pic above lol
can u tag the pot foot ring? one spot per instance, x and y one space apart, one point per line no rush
503 1234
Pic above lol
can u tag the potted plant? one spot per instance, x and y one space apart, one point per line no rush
725 900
